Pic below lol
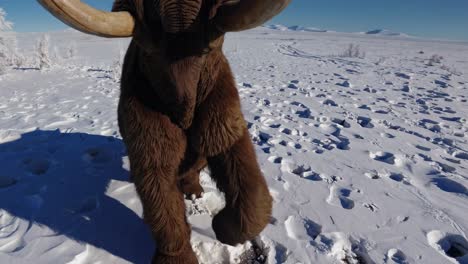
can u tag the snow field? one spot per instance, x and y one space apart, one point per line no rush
366 158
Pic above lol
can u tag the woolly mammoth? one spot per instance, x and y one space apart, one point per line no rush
179 111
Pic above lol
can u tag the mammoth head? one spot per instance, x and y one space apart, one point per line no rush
174 16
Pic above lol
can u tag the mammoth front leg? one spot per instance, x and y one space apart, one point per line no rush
218 122
156 147
189 175
248 201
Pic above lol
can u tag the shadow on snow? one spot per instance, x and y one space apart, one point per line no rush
59 180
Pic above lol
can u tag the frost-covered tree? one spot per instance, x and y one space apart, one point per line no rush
6 42
56 55
71 51
118 64
353 51
43 52
4 24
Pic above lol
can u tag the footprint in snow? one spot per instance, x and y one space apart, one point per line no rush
98 155
298 228
37 165
365 122
281 254
423 148
403 75
344 248
345 84
340 197
257 253
313 176
341 122
461 155
364 107
451 186
450 245
382 156
374 175
291 166
398 177
275 159
441 84
329 102
396 256
346 203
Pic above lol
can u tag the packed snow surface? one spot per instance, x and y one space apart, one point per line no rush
366 158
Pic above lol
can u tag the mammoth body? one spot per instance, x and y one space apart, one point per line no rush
179 111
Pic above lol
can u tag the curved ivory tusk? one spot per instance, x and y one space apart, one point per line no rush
248 14
89 20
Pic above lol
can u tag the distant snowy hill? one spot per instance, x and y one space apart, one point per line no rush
295 28
375 32
385 32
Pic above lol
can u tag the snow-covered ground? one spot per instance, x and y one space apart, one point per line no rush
366 158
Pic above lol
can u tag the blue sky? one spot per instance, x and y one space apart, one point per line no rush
443 19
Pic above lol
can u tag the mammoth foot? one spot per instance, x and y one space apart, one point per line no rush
193 189
186 257
228 229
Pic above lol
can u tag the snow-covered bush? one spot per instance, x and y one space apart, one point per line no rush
353 51
435 59
43 52
71 51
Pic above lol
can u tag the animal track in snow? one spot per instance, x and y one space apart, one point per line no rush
329 102
403 75
281 255
461 155
450 245
396 256
275 159
313 176
386 157
398 177
302 229
37 166
332 129
345 249
374 175
257 253
291 166
346 203
365 122
449 185
98 155
340 197
345 84
341 122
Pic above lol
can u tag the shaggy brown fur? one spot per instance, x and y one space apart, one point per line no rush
179 110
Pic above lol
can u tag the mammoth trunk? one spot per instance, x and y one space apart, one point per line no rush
184 74
178 15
